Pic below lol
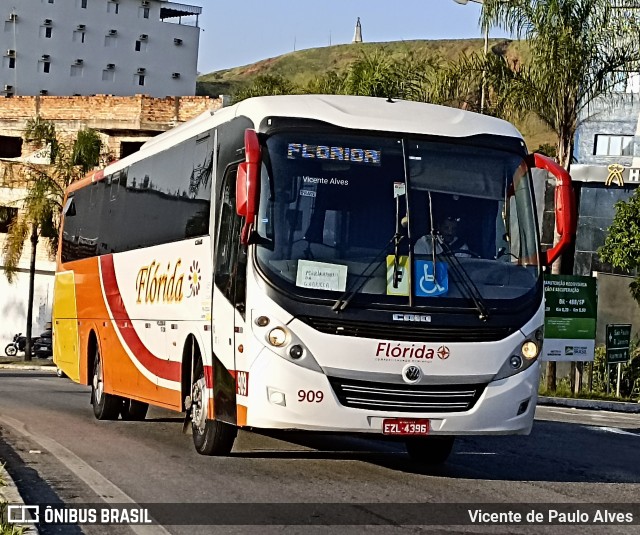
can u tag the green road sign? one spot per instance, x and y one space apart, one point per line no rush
618 341
571 303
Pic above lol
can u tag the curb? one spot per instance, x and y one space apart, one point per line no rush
46 367
597 405
9 494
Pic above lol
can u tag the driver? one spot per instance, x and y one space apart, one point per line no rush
447 228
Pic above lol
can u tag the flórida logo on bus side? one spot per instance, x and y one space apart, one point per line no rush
157 285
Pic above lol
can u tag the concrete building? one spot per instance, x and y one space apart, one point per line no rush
124 123
89 47
606 170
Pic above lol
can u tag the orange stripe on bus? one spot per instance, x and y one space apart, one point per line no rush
165 369
241 418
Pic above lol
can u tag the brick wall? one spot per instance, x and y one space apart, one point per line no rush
103 112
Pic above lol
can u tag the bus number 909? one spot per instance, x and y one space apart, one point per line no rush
310 396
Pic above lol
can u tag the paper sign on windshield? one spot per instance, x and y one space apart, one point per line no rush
321 276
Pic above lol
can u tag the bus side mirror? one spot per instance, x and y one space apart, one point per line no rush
247 183
565 209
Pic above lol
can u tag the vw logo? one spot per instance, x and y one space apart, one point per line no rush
411 373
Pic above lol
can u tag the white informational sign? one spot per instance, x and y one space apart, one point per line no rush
568 349
321 276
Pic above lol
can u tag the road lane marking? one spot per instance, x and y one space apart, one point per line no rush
616 431
108 491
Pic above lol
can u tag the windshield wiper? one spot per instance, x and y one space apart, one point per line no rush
464 279
345 298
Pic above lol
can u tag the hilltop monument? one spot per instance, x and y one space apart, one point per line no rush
357 36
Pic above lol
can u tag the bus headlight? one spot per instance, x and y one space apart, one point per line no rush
529 350
522 357
277 337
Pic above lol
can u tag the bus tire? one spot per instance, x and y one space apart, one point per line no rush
210 437
105 406
429 450
134 411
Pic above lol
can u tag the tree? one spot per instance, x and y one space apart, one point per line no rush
578 51
622 245
40 209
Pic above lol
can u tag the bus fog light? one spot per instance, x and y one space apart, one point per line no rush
529 350
276 397
277 337
523 407
296 351
515 362
262 321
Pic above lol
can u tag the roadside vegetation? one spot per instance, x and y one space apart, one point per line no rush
5 527
599 380
40 208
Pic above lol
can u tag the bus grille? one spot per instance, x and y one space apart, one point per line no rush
407 332
405 398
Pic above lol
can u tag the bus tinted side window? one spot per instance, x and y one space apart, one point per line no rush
81 224
231 255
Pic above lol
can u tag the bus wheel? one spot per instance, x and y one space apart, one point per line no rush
210 437
105 406
429 450
134 411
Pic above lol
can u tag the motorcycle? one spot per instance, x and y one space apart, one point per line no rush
19 344
41 346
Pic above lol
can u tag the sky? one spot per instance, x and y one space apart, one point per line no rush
241 32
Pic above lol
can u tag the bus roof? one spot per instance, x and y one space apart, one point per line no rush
354 112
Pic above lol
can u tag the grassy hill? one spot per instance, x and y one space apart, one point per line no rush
302 66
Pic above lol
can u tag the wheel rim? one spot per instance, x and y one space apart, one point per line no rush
198 407
97 380
11 351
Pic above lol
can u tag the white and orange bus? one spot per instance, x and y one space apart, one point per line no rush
255 268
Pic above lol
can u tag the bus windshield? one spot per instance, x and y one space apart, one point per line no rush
398 220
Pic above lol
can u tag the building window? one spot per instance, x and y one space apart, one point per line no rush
76 70
113 7
47 32
141 78
111 41
10 147
145 12
83 4
78 36
12 63
613 145
7 216
108 75
46 66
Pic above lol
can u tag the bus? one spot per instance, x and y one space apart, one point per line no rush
256 268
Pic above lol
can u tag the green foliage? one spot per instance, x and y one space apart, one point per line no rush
42 132
41 206
629 385
376 74
87 149
266 84
579 50
5 527
622 245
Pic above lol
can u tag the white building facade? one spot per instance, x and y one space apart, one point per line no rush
88 47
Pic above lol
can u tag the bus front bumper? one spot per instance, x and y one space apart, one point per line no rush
285 396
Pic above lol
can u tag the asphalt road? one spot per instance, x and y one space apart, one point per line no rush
58 453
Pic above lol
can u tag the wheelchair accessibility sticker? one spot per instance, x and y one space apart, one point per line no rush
430 283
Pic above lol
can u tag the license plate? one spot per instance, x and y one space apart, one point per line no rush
398 426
